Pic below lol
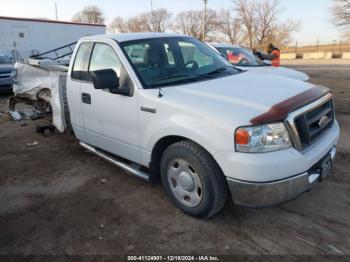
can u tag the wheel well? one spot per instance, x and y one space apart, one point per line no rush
44 94
158 151
44 98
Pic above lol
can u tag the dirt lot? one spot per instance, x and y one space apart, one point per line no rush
57 199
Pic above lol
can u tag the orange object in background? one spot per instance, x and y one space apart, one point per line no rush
233 58
276 61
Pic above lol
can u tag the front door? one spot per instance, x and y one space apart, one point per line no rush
110 120
77 76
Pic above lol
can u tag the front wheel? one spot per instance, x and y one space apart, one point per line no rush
192 179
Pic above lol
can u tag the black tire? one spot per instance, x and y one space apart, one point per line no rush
214 187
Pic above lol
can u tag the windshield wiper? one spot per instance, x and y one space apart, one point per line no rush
194 76
188 76
226 67
220 70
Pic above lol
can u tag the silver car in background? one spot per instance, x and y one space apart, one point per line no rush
7 73
244 58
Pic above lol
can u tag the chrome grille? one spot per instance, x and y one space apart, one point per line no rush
312 125
309 123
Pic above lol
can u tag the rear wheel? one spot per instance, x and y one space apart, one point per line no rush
192 179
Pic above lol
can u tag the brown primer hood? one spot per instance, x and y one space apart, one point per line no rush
280 111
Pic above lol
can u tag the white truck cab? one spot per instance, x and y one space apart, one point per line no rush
168 106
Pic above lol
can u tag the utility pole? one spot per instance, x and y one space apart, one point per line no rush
152 18
205 18
56 10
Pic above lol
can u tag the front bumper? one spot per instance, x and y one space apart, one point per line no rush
271 193
276 165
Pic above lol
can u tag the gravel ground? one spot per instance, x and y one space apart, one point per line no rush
55 198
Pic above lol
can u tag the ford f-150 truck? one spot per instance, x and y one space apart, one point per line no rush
168 106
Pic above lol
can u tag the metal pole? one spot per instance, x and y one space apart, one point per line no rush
56 10
152 18
205 18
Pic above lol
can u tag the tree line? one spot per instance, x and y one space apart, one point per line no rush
341 16
252 23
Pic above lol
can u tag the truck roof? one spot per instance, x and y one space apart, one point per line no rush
124 37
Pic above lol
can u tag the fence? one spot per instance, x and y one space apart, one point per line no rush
336 47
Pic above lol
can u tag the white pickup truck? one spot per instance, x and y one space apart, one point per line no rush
168 106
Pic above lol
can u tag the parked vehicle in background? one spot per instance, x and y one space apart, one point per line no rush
245 59
7 73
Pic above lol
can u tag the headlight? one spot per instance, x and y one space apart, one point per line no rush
264 138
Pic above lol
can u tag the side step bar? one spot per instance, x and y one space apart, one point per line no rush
116 162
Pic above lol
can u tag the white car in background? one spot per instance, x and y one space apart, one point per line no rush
246 60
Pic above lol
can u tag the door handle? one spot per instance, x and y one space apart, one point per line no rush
148 109
86 98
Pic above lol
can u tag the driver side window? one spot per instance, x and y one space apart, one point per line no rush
104 57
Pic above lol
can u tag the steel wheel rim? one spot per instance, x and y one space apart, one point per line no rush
184 182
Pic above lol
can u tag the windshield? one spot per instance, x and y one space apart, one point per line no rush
161 62
240 56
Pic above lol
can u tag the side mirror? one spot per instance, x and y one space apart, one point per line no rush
124 91
108 79
105 78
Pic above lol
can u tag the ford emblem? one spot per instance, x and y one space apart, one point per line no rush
323 121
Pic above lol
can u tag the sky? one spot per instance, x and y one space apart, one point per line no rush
314 14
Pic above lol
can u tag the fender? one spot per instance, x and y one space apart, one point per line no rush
185 126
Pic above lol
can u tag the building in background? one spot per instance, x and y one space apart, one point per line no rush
21 38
